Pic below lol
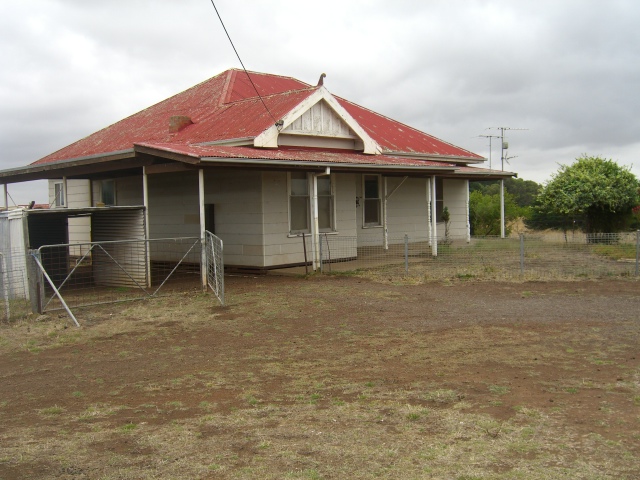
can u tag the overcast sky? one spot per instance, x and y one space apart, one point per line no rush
566 71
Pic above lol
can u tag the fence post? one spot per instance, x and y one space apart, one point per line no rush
5 286
522 253
637 251
406 254
320 252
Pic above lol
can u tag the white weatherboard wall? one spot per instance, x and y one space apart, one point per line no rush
237 199
455 199
173 204
284 249
407 212
78 196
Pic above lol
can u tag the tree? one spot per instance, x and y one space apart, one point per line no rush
596 189
484 212
524 191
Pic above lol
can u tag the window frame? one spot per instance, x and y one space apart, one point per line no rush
306 230
58 199
366 224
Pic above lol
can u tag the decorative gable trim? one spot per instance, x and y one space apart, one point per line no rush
269 137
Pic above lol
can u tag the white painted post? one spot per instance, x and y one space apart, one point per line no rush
203 244
385 230
429 208
315 226
145 202
501 208
434 220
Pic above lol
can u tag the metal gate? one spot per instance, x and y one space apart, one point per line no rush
214 265
114 271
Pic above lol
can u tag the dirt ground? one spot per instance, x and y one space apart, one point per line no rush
330 377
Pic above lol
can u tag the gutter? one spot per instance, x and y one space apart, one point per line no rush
440 158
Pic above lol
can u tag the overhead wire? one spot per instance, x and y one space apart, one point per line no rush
241 63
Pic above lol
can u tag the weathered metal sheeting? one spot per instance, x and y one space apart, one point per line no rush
311 155
226 107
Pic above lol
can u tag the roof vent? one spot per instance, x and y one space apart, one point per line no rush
178 122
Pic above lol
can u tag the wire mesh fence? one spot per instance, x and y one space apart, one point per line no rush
115 271
531 256
14 286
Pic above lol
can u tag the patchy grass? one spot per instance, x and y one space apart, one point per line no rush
344 379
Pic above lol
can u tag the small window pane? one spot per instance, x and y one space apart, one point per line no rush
324 185
325 213
371 189
299 184
299 214
372 211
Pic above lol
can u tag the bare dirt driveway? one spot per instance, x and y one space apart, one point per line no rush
331 377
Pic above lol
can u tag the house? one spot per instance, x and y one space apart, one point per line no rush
262 170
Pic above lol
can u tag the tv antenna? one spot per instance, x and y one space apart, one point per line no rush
504 145
490 149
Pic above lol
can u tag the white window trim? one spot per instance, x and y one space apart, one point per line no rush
364 198
301 232
334 221
58 202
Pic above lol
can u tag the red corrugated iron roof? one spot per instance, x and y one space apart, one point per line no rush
394 136
226 107
293 154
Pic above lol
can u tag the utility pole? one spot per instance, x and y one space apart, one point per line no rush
503 147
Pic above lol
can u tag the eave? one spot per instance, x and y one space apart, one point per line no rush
123 159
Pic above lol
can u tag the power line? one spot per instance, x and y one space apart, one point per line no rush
243 67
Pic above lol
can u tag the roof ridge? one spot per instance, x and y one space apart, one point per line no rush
257 99
226 91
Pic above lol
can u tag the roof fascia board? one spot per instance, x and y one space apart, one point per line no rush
31 172
269 137
310 164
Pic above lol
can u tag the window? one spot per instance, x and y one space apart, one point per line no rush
58 194
439 199
372 201
108 195
298 203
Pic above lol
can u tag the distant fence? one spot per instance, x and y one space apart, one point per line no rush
530 256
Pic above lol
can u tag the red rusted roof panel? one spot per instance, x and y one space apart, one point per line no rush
294 154
394 136
226 107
